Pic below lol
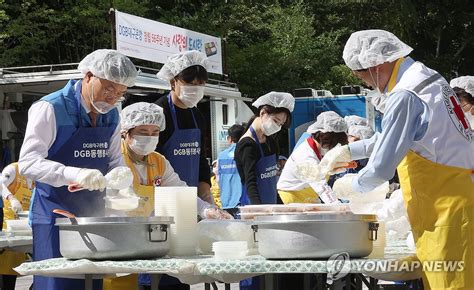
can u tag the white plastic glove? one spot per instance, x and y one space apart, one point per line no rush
91 179
343 187
119 178
215 213
15 205
208 211
338 154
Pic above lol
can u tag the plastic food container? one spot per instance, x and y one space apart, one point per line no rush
257 208
287 208
226 250
246 216
321 207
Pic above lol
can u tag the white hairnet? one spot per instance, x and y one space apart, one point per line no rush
181 61
277 100
142 113
360 131
369 48
465 82
326 122
355 120
110 65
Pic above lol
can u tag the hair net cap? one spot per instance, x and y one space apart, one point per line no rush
110 65
277 100
465 82
181 61
361 132
355 120
369 48
326 122
142 113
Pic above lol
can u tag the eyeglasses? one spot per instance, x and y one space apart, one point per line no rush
109 94
112 96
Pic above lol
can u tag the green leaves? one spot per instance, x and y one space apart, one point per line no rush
271 44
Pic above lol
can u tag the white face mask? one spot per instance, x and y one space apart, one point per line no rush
143 145
191 95
323 151
100 107
377 98
269 127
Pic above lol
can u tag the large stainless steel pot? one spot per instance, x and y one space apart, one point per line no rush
314 236
114 237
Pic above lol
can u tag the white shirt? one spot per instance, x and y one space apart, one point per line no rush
291 181
40 136
169 178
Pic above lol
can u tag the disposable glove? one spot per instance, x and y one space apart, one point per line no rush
15 205
207 211
91 179
338 154
216 214
343 187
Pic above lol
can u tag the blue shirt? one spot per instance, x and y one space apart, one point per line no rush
405 121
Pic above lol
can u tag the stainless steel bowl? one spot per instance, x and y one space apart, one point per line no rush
114 237
315 236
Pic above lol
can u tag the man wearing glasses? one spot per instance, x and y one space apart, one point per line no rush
73 136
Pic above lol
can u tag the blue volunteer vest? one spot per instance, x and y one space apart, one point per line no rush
229 178
266 170
78 145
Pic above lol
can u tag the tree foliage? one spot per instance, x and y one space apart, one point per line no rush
270 45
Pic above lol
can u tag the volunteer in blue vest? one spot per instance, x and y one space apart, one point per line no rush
464 88
73 136
328 131
228 177
183 140
256 152
256 155
426 135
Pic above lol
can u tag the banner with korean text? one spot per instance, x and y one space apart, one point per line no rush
154 41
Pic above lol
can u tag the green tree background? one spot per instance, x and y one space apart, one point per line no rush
270 45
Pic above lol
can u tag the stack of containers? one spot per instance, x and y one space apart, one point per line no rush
180 203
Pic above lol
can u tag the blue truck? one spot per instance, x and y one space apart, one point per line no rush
309 103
